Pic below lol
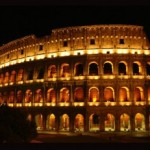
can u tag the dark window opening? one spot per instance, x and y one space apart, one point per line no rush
148 69
41 74
135 69
22 52
30 75
121 41
93 69
95 119
40 47
79 70
122 69
107 68
108 52
65 44
92 42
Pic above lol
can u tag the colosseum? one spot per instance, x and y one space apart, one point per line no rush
81 78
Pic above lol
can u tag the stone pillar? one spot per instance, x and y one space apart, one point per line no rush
117 123
57 123
71 124
132 120
86 123
102 122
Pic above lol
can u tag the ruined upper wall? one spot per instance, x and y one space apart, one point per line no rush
84 37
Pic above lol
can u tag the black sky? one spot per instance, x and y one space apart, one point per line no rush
20 20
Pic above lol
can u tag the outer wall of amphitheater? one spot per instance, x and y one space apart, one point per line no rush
83 78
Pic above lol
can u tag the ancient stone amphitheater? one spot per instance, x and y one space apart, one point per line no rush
82 78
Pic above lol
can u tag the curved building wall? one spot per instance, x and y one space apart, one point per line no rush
84 78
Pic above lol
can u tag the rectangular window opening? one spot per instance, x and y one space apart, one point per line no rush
121 41
40 47
65 44
92 42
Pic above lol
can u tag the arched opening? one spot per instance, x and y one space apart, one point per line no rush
30 75
148 68
123 94
64 122
137 69
41 74
107 69
139 122
110 123
38 96
138 94
79 95
29 117
64 95
109 94
122 68
20 75
19 96
28 96
39 121
13 76
51 122
65 70
51 96
1 78
52 71
93 94
148 95
124 122
93 69
79 123
94 122
6 79
11 97
5 97
78 70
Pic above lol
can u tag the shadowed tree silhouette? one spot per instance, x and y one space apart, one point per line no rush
14 126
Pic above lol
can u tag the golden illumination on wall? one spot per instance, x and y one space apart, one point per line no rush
122 51
30 58
40 56
139 122
79 52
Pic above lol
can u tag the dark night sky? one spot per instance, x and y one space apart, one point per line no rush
17 21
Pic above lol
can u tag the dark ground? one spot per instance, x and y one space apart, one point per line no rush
91 138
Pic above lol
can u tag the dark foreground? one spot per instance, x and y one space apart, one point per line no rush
91 138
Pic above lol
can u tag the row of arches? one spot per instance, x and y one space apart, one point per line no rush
78 94
95 122
66 71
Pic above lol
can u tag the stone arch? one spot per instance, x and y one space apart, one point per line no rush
93 94
39 121
64 122
138 94
125 122
78 69
65 70
148 68
51 95
38 96
20 75
19 96
13 76
40 73
123 94
28 96
52 71
108 68
6 78
11 97
51 122
122 68
94 122
79 122
139 122
78 94
109 94
137 68
109 122
64 95
93 68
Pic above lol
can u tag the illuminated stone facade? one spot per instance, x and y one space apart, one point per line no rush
84 78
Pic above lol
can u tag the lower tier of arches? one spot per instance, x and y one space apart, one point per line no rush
74 119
